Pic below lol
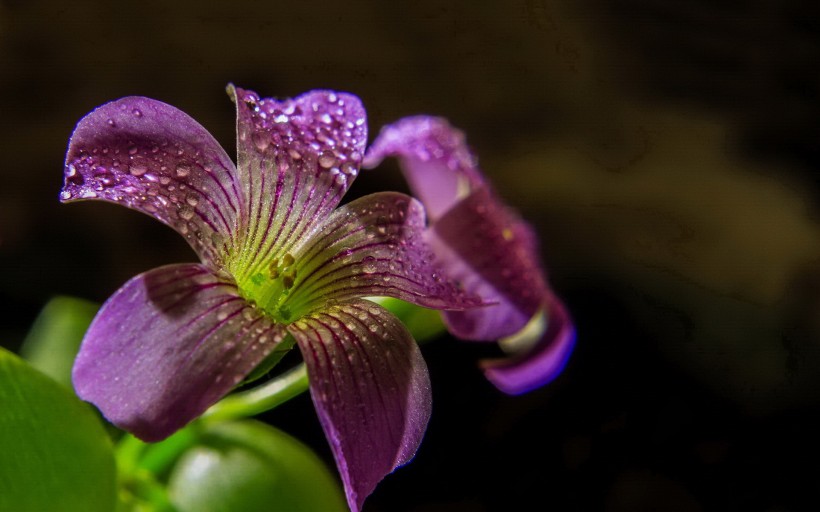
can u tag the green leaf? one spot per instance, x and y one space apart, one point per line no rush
55 453
423 323
54 339
249 465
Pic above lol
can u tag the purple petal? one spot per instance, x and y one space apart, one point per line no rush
154 158
491 251
166 346
543 362
374 246
370 387
296 160
434 158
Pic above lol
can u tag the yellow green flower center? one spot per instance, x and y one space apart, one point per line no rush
270 287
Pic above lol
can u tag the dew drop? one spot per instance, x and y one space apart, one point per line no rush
183 171
137 112
222 315
137 169
186 213
369 265
294 154
192 200
71 172
132 150
346 255
327 159
261 140
281 118
349 168
111 123
164 180
65 195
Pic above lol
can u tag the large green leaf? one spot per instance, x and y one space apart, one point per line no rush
54 453
54 339
249 465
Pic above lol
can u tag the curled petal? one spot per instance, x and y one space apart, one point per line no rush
491 251
154 158
374 246
370 387
166 346
541 363
434 158
296 159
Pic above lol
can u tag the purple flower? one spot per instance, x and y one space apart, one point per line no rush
486 247
277 258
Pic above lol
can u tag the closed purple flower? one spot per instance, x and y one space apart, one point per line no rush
277 257
488 248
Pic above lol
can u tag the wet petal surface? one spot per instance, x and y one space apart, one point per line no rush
434 158
541 363
296 159
166 346
374 246
154 158
370 387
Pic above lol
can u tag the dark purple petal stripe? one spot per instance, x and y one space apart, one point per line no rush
434 158
168 345
373 246
538 366
370 387
154 158
490 250
296 159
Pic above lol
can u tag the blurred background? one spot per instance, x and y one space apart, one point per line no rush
665 150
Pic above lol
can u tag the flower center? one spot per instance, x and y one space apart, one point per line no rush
270 288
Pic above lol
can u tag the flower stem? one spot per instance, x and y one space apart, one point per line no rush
263 398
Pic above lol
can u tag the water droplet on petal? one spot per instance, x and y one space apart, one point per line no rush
192 200
183 171
327 159
111 123
137 112
369 265
65 195
132 150
186 213
261 140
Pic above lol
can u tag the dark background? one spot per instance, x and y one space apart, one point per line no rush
666 151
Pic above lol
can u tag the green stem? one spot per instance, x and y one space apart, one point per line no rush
263 398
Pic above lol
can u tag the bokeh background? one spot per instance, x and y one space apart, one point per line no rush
665 150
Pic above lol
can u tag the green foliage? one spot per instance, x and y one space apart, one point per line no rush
55 453
251 466
54 339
